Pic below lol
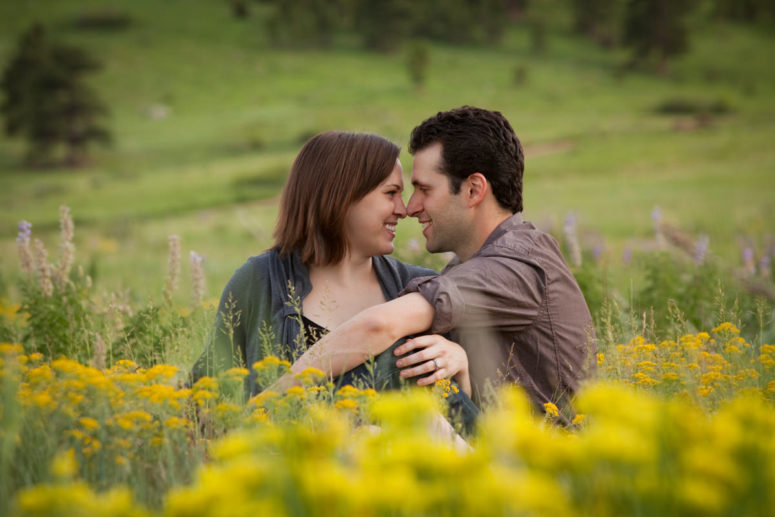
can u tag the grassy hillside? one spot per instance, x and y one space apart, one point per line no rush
237 111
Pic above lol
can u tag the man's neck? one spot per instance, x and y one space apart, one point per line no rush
483 228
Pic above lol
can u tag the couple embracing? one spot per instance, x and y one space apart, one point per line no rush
505 309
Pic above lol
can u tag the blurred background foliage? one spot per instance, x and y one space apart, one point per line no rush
623 106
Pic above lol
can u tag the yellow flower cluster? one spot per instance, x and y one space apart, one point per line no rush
707 368
133 441
445 387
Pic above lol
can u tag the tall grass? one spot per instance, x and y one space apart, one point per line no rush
97 417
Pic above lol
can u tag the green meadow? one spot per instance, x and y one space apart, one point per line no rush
207 116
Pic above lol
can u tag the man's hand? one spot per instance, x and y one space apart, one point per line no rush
436 355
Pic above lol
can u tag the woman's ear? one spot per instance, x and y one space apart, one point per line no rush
476 187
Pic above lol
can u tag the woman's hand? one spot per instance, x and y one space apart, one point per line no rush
437 356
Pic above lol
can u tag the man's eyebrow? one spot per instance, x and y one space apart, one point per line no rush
417 183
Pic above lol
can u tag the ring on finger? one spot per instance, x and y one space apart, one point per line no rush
436 364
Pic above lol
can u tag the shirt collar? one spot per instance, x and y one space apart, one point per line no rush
510 223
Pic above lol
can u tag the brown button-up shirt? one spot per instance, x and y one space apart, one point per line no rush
517 310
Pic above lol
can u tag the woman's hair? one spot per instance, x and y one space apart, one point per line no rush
331 172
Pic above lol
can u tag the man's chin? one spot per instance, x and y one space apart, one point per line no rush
432 248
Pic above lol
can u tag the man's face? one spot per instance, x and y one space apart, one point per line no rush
442 214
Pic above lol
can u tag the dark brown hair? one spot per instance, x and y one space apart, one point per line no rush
476 140
331 172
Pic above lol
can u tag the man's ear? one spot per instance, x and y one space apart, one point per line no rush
475 188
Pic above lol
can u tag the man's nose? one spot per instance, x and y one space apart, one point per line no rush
413 207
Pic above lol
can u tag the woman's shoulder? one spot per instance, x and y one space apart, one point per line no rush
255 268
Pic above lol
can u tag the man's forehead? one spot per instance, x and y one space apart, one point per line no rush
426 166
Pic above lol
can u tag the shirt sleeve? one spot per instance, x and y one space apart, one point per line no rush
483 292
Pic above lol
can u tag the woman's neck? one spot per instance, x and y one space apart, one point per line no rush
352 270
341 290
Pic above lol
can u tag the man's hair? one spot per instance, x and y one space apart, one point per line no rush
332 171
476 140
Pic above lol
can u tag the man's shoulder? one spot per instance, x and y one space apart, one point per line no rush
521 241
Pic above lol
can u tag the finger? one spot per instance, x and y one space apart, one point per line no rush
406 346
426 367
418 357
431 379
416 342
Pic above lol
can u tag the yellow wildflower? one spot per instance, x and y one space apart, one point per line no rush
310 376
39 375
643 379
600 358
579 419
164 371
124 365
89 423
369 392
44 400
648 366
348 391
269 362
296 391
263 397
206 383
551 410
726 327
175 422
202 396
259 415
346 404
131 419
237 372
64 464
705 390
11 349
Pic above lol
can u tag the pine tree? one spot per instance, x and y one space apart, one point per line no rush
657 29
48 103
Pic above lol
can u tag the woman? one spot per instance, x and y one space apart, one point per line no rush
337 220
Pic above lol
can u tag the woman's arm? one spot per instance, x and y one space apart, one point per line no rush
366 334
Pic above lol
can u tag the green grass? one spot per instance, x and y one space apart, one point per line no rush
239 111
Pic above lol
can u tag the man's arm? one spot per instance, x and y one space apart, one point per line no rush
366 334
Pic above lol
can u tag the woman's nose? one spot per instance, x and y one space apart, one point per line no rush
399 208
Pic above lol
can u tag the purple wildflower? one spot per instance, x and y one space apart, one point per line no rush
627 255
701 249
25 232
748 260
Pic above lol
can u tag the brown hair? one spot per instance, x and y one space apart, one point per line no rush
331 172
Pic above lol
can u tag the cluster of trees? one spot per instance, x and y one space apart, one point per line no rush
47 101
382 24
653 29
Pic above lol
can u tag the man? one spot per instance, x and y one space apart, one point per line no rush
508 297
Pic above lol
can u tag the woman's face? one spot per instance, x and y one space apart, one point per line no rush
370 223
